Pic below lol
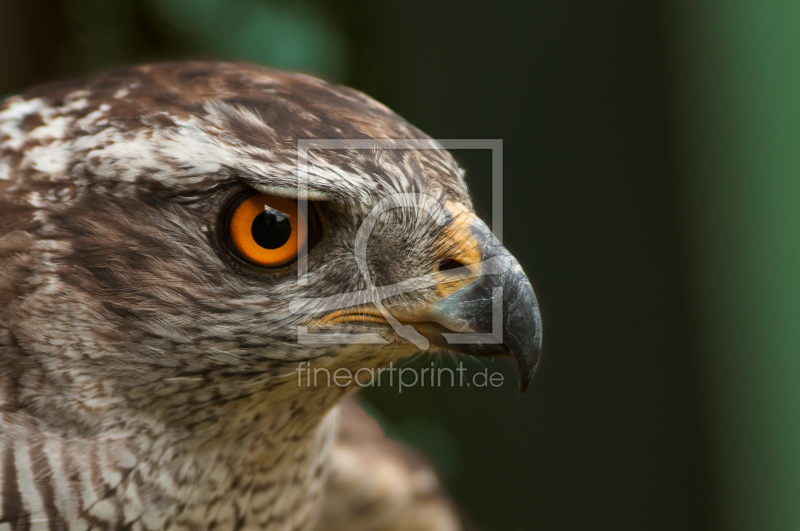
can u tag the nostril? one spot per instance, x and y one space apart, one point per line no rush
448 264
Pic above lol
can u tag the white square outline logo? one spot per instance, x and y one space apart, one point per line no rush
304 146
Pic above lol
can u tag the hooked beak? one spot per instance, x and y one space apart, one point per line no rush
485 304
494 315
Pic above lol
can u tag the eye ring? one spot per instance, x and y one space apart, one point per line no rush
267 231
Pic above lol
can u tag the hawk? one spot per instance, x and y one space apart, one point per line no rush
168 263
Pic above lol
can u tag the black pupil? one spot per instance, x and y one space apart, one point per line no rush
271 229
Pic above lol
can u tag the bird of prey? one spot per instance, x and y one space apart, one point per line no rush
168 263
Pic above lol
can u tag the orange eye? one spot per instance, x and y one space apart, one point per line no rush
264 230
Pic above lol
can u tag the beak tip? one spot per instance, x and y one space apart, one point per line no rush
524 381
526 366
526 344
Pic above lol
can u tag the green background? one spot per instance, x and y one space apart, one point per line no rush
652 193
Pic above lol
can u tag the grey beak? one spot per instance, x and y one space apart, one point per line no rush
496 315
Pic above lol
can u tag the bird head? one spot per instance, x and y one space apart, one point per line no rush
188 234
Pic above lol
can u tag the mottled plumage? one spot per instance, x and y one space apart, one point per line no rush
147 377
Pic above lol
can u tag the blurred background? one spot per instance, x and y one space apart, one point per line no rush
652 193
